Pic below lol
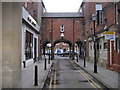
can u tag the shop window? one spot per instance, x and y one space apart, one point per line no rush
105 45
29 45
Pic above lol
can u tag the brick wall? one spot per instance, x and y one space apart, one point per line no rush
68 23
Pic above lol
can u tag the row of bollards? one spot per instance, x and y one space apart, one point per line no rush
36 71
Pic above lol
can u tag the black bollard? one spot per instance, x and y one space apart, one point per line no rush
24 64
49 59
45 66
36 76
77 58
84 62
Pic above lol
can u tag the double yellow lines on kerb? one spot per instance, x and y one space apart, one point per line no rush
95 85
53 81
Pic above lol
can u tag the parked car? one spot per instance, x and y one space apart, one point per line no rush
59 51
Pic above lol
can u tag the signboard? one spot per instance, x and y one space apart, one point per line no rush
109 35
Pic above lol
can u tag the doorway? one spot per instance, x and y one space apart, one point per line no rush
35 48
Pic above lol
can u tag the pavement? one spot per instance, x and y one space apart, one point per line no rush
107 77
27 75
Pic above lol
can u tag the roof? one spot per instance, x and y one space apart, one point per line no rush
63 15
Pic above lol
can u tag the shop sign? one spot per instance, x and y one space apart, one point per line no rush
109 35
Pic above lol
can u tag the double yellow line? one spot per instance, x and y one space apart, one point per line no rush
53 81
95 85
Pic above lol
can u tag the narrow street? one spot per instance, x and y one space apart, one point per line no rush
68 75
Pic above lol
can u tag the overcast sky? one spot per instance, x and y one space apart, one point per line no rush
62 5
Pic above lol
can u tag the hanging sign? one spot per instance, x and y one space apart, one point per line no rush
109 35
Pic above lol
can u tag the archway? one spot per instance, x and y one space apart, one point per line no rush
64 42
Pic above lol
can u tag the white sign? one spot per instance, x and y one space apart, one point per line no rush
110 36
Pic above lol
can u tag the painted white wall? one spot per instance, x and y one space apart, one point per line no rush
102 52
35 35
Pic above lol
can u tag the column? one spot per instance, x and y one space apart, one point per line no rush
11 44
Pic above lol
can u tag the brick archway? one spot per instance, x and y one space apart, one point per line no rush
62 40
51 28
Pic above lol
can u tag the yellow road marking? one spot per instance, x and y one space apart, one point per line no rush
55 79
90 79
87 77
50 86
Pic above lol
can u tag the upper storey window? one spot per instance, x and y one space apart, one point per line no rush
61 28
99 13
98 6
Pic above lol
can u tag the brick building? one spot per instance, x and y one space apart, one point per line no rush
56 24
107 19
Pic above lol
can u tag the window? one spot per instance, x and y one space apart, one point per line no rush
98 6
100 17
99 13
29 45
62 28
105 45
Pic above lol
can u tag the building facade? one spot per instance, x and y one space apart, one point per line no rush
61 27
31 23
107 50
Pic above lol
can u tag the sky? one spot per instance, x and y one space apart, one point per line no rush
62 5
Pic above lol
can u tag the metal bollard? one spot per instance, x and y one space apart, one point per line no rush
36 76
45 66
49 59
77 58
84 62
24 64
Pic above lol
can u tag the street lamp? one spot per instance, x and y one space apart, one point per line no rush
84 53
62 35
73 42
95 60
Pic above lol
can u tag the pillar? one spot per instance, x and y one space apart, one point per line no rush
73 52
11 44
52 52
